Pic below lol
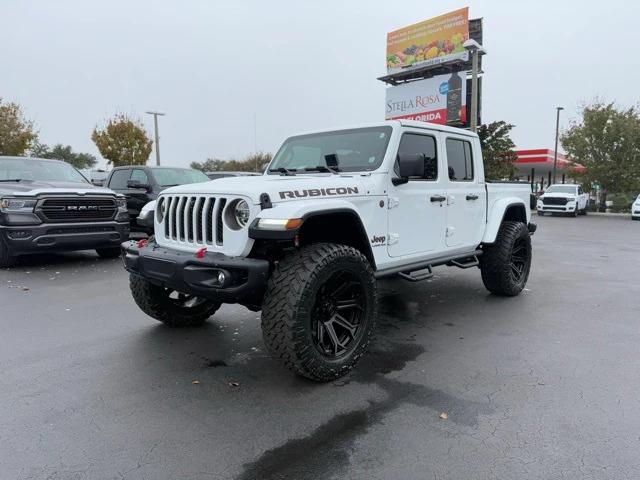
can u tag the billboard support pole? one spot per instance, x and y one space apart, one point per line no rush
475 49
474 92
155 125
555 150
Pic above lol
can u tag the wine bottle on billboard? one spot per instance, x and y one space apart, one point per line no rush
454 99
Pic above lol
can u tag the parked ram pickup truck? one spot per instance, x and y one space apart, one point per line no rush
563 198
48 206
307 241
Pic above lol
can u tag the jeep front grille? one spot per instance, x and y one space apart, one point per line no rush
193 219
76 209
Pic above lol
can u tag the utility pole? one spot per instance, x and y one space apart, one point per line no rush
474 49
255 138
555 150
155 125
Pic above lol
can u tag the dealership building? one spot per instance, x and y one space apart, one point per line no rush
536 167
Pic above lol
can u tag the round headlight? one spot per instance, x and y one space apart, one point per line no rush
161 208
242 213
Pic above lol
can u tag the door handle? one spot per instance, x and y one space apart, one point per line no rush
472 197
438 198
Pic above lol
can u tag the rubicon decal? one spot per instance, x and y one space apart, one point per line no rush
319 192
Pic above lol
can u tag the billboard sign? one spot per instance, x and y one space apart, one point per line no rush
441 99
429 43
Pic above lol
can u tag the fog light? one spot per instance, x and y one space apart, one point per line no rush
18 234
221 277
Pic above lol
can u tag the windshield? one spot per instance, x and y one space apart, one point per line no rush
360 149
178 176
26 169
561 189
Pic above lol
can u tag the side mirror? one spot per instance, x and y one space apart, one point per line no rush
409 165
137 184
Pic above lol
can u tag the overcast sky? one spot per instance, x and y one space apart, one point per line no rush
213 65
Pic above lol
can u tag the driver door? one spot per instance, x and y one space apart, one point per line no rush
417 208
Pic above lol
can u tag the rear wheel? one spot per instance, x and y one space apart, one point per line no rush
505 264
170 307
320 310
110 252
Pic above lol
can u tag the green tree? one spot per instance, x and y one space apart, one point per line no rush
255 162
498 150
123 141
606 140
209 165
16 134
65 153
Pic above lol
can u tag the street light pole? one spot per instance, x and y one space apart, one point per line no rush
555 150
474 49
155 125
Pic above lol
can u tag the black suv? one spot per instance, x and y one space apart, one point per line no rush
142 184
47 205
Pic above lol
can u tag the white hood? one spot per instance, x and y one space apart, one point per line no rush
280 188
558 195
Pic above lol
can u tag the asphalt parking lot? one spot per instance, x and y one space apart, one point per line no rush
545 385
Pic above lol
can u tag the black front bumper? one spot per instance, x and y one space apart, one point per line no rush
58 237
246 278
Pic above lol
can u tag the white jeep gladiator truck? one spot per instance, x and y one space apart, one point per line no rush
307 241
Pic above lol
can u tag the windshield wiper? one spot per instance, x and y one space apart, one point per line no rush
11 180
322 168
284 171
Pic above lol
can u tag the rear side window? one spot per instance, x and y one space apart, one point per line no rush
140 176
414 143
119 179
459 160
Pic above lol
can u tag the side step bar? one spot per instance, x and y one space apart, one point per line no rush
417 275
412 270
425 272
468 262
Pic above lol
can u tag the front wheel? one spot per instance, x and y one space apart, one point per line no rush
505 264
320 310
170 307
6 259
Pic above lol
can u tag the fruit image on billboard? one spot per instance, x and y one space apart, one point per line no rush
440 99
428 43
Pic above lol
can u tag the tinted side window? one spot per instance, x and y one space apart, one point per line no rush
119 179
140 176
413 143
459 160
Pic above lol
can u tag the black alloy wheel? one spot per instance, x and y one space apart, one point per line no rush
518 261
337 315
